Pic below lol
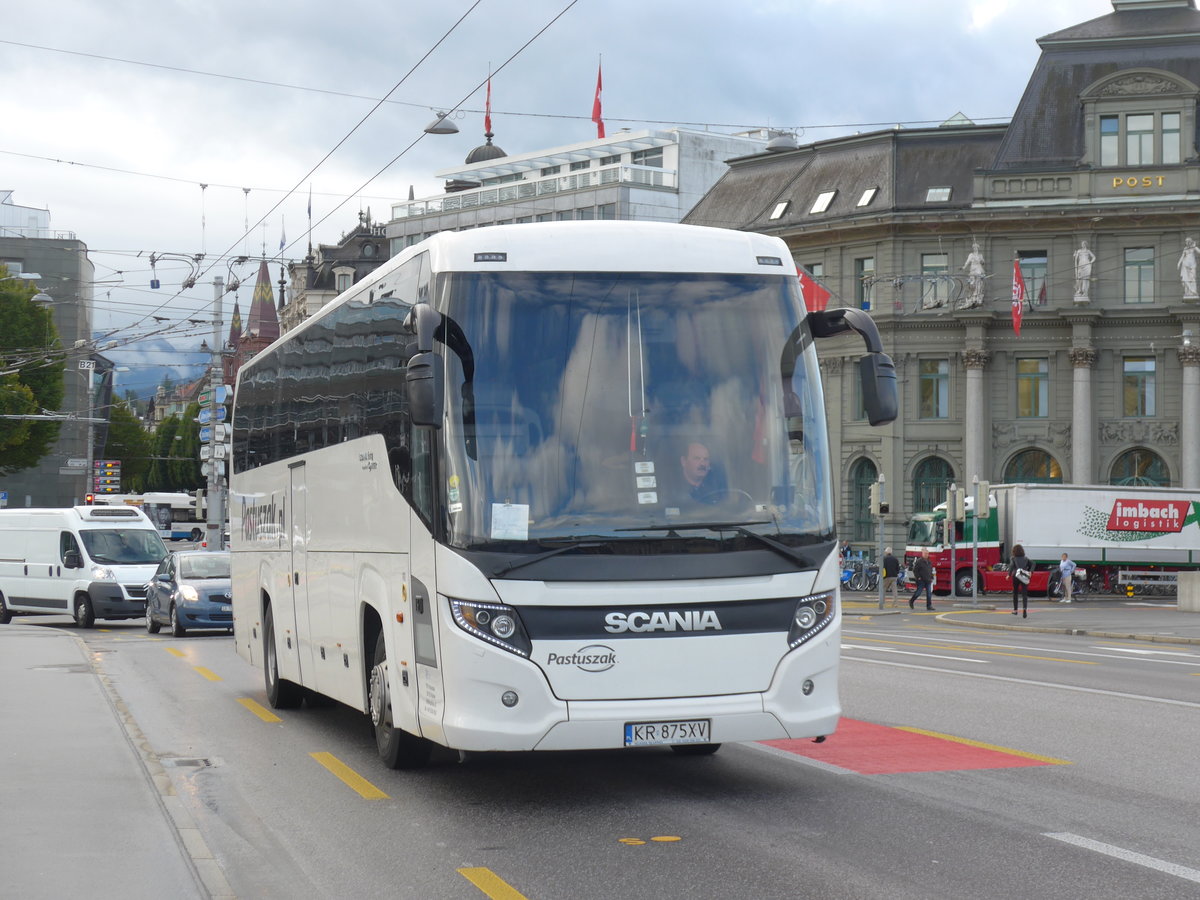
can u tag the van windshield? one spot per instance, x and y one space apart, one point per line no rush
124 547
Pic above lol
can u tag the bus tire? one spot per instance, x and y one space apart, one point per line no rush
695 749
177 629
397 748
85 617
151 625
5 612
281 694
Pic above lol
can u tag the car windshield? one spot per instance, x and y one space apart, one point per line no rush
122 547
627 406
197 566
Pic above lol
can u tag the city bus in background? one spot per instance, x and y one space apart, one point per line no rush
547 487
179 516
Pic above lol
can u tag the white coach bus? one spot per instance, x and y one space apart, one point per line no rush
550 486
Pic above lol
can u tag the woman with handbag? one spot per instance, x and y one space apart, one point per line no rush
1020 567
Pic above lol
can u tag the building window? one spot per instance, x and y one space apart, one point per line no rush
588 212
608 160
935 389
1139 275
864 286
523 220
542 217
780 208
1139 468
343 283
1137 383
1139 139
565 215
1170 138
648 157
867 196
931 480
1033 388
935 287
822 202
1033 272
1110 140
581 165
1033 467
551 170
606 211
862 476
937 195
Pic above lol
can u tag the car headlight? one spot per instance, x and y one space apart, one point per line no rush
495 623
103 573
188 594
813 613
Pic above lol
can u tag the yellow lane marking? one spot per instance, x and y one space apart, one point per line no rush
261 711
666 838
207 673
352 779
491 883
1080 662
970 743
175 652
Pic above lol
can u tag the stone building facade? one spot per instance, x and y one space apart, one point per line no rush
1093 190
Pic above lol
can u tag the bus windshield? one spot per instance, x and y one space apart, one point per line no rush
619 405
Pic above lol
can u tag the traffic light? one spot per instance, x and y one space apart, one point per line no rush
89 499
879 504
983 504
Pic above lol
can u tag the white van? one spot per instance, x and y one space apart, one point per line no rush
92 562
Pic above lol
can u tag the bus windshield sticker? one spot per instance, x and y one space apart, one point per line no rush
510 521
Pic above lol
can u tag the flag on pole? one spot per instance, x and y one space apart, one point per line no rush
310 201
1018 296
596 116
282 235
1041 296
487 109
815 296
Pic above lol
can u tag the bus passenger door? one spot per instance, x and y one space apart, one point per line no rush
298 534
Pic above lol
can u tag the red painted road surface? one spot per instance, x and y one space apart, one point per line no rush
870 749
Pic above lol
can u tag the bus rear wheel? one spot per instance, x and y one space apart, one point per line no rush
281 694
397 748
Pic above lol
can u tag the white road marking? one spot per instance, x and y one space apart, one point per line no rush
913 653
1106 654
797 758
1048 684
1121 853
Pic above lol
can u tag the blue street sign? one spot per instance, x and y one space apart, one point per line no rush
206 415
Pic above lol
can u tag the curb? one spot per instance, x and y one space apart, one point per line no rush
1088 632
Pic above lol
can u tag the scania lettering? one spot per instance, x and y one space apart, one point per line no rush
550 486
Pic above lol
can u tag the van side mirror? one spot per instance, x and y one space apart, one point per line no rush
426 388
72 559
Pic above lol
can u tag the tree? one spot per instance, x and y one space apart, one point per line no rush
159 477
129 442
185 467
26 340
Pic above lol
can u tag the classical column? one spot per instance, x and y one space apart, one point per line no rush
975 426
1189 418
1082 434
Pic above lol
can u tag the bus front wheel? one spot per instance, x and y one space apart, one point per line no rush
397 748
280 693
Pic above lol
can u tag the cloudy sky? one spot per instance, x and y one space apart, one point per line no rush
116 113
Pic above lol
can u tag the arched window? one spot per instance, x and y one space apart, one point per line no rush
931 480
1033 466
1141 468
862 475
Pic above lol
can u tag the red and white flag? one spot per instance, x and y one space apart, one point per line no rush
487 109
596 116
1018 296
816 296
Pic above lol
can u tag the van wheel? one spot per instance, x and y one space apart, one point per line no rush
397 748
85 617
695 749
281 694
5 613
177 629
151 625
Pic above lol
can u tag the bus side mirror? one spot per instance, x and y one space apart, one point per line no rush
426 389
877 374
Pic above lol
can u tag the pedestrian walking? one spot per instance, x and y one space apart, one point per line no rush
923 575
1066 577
1020 568
891 573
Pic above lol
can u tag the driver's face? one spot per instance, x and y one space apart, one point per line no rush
695 464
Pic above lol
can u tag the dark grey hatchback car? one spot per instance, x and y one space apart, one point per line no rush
191 589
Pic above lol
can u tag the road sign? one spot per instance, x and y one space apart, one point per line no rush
206 415
3 498
77 463
87 364
205 468
207 451
206 433
205 397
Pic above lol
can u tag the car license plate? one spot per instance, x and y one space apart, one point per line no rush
649 734
225 607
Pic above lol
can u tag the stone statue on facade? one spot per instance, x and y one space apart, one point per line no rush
975 278
1187 269
1083 272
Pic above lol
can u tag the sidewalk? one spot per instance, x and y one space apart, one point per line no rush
80 813
1107 617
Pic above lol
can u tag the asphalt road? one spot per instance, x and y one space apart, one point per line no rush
970 764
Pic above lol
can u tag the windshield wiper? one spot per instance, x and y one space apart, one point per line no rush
538 557
800 559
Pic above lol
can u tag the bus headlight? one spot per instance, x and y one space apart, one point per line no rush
812 614
495 623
